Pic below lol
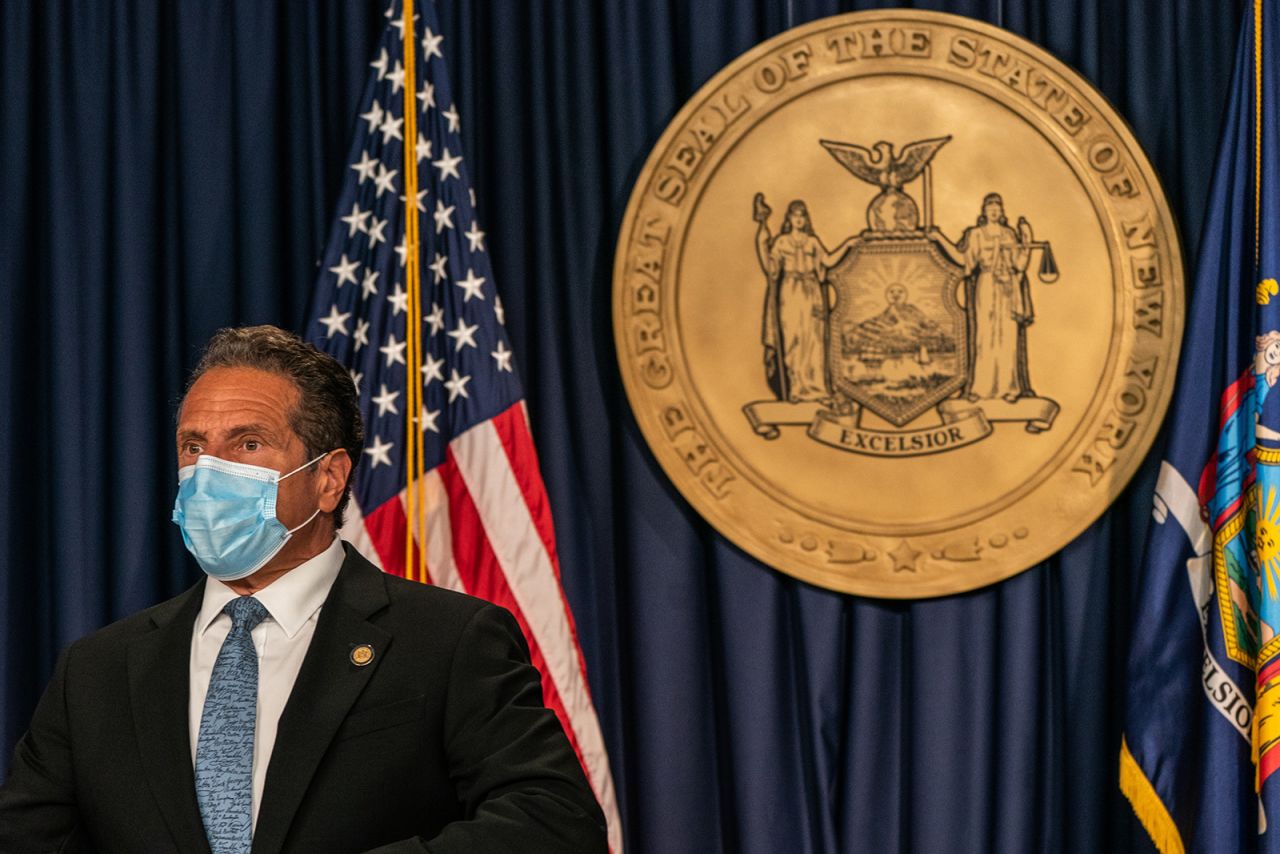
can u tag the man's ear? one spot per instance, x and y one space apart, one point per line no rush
333 470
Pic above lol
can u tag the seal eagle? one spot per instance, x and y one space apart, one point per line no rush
892 209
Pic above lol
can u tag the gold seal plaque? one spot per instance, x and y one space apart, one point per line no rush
898 302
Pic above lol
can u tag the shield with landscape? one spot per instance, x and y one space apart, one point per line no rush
897 343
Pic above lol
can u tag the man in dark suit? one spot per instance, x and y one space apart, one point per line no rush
297 699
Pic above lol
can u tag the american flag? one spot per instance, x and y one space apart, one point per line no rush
488 529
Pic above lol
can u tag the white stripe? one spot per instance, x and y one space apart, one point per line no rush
354 532
514 538
440 562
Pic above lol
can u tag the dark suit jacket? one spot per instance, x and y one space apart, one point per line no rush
440 743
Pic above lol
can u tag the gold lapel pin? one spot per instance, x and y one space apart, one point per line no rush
361 655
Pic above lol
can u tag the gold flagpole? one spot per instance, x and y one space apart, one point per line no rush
1257 130
415 510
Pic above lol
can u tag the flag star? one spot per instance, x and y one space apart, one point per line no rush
381 63
399 300
336 322
398 23
475 236
471 286
361 335
355 220
455 125
463 336
427 95
346 270
447 165
431 44
356 377
435 318
443 216
393 350
423 148
498 311
502 356
369 286
385 180
437 267
431 370
456 385
374 116
396 76
390 128
376 227
402 249
386 400
428 419
365 166
422 194
378 452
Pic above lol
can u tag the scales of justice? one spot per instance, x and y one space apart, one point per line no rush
899 320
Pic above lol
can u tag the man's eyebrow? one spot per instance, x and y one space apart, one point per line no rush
231 433
243 429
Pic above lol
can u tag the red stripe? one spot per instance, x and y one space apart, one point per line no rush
517 441
386 527
482 576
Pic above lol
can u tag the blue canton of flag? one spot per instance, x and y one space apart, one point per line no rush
360 306
1202 722
485 525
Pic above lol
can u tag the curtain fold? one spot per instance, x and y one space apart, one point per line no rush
168 168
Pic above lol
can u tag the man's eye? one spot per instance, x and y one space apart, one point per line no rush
252 445
193 450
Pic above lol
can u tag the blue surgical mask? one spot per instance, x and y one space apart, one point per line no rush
227 514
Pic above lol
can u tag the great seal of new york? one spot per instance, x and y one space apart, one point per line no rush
897 303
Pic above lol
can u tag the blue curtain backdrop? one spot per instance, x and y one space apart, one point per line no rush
168 167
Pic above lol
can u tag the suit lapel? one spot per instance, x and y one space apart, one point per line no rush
327 686
159 673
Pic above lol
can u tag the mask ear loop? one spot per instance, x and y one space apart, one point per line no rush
303 466
310 518
291 531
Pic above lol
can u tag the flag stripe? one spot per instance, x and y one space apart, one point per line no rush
532 581
439 536
483 576
355 531
386 527
517 444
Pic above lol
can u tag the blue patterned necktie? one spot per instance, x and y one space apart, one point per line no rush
224 751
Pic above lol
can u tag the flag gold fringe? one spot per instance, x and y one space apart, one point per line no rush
1147 805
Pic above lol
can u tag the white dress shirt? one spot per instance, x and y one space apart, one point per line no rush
293 605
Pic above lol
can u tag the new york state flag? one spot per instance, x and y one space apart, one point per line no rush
1201 740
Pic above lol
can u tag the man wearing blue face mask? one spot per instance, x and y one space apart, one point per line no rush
297 699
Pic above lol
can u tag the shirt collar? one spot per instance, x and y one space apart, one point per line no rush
290 600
